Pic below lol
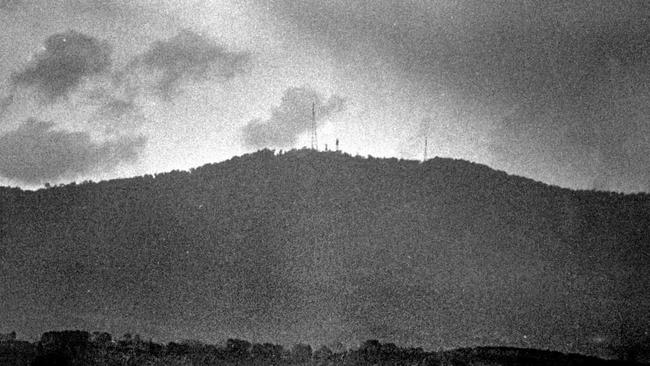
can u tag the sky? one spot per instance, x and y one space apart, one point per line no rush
558 91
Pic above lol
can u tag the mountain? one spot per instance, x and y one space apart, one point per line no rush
323 247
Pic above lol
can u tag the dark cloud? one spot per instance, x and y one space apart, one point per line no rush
117 115
291 118
5 103
121 13
577 67
9 5
35 152
114 113
110 7
61 67
597 128
185 57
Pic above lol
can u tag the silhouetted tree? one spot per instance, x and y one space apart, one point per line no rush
370 346
237 348
51 359
101 338
301 353
370 351
389 351
267 352
68 346
322 354
177 349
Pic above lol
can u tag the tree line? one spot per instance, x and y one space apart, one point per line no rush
77 348
74 347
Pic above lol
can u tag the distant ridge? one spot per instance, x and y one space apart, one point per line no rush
325 247
436 162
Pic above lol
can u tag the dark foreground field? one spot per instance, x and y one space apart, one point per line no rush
83 348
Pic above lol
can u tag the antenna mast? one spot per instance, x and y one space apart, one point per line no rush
425 148
314 137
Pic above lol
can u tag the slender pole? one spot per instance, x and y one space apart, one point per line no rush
425 148
314 137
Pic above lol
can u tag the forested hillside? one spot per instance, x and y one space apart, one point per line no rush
324 247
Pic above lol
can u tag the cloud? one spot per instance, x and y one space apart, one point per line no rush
571 67
67 58
117 115
114 113
187 57
9 5
35 152
5 103
113 7
291 118
602 135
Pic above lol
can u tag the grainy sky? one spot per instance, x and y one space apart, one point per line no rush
554 90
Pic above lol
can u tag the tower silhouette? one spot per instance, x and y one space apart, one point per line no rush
314 137
426 143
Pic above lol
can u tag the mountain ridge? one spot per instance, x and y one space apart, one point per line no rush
304 152
324 247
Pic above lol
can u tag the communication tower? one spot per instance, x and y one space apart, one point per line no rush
425 148
314 137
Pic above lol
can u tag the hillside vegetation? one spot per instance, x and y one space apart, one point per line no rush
324 247
80 348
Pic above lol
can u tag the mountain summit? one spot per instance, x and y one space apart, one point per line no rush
324 247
